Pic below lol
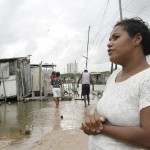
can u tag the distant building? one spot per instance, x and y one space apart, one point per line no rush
72 68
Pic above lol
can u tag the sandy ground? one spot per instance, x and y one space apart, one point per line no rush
63 140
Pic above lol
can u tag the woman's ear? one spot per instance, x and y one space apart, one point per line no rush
137 39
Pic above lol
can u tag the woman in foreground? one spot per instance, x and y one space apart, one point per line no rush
122 117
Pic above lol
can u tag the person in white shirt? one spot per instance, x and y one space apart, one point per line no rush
121 120
86 80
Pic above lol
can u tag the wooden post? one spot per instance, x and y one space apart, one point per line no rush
32 86
17 81
52 67
22 84
75 80
111 68
66 85
69 86
87 48
45 84
3 83
62 89
40 79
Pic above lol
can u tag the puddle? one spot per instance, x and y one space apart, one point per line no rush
40 118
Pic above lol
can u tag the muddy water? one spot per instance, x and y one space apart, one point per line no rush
38 117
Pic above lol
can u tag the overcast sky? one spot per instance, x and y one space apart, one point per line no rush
56 31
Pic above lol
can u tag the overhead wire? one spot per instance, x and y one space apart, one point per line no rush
101 22
58 15
113 20
145 7
81 12
95 38
100 40
111 23
77 18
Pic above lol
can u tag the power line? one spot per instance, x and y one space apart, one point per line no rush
96 41
81 12
58 15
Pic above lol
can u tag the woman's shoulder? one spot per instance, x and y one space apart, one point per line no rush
115 72
145 74
112 77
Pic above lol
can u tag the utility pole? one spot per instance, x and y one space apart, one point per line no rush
3 80
120 10
75 74
87 48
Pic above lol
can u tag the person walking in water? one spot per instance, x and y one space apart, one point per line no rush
86 80
56 82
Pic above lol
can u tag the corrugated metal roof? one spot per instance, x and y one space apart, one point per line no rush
9 59
45 65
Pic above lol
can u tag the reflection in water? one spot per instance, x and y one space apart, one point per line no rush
57 120
9 122
18 117
40 117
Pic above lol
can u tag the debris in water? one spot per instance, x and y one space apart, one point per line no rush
27 132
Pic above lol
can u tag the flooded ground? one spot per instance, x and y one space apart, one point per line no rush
39 118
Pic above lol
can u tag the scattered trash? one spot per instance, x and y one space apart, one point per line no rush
96 93
27 132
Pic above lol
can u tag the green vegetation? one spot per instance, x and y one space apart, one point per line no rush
72 75
69 75
106 73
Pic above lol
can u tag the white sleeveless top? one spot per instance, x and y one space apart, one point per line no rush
85 78
121 104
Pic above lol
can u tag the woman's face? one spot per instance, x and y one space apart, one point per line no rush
120 46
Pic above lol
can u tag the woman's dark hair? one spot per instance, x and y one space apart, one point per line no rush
137 25
57 74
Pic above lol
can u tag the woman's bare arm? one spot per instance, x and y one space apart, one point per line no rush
135 135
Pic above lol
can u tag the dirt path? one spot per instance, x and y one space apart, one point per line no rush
63 140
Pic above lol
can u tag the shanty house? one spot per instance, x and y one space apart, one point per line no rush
40 79
15 78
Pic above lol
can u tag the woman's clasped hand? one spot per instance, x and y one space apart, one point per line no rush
93 124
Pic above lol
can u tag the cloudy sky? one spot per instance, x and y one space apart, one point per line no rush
56 31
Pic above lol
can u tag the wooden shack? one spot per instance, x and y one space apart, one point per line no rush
99 78
15 78
40 79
